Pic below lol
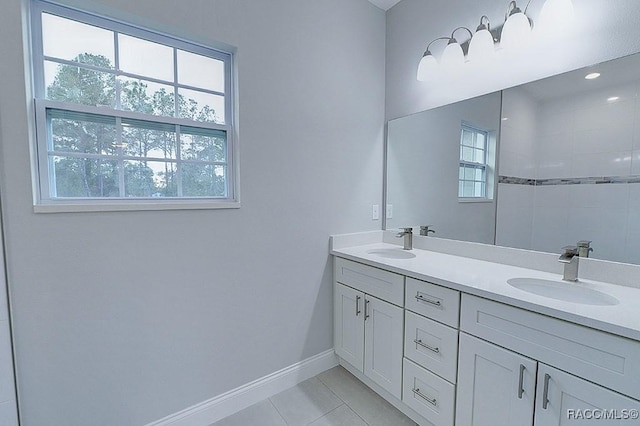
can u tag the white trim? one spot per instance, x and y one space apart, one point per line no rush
135 205
231 402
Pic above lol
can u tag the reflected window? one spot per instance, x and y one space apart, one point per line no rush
473 170
125 113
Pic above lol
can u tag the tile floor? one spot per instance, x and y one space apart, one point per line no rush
332 398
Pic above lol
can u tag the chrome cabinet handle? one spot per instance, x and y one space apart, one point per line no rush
521 381
366 309
433 401
419 298
424 345
358 305
545 393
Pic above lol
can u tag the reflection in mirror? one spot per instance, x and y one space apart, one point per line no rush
570 163
441 169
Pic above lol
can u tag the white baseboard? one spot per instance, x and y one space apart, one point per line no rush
231 402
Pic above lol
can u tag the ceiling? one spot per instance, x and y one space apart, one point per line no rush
384 4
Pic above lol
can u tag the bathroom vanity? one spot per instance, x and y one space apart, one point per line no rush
453 339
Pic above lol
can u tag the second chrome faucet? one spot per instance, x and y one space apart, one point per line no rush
407 233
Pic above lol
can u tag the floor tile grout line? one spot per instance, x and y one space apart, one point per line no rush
326 414
343 401
278 411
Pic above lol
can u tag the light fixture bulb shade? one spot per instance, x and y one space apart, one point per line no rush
481 47
516 32
427 67
556 16
452 57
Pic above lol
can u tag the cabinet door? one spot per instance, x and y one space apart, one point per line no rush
496 387
563 399
383 344
348 324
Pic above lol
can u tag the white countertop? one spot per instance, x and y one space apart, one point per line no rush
489 280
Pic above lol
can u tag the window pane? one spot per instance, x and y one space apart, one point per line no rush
467 137
479 175
469 188
461 172
85 133
71 40
85 177
147 139
467 154
202 144
150 179
478 156
203 180
479 189
79 85
469 173
200 71
201 106
480 140
147 97
145 58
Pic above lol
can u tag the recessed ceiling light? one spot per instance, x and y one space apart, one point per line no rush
592 76
613 98
505 118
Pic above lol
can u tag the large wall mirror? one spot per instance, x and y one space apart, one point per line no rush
538 166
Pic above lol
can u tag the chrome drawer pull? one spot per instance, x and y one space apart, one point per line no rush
521 381
358 305
424 345
366 309
419 298
433 401
545 393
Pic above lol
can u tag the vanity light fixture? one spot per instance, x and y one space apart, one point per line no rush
481 46
453 56
514 33
592 76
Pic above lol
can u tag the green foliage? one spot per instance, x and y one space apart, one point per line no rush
77 133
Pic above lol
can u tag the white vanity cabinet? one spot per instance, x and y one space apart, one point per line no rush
448 358
368 331
499 387
496 387
563 399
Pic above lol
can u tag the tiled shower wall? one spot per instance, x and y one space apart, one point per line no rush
573 143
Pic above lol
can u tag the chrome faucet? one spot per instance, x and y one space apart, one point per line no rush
570 259
407 233
584 247
424 230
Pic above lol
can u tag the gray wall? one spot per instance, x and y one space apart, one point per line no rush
123 318
601 31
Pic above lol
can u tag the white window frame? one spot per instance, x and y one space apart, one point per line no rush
484 165
43 176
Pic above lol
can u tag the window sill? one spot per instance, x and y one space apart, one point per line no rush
475 200
138 205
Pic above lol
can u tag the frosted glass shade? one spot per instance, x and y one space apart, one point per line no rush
427 67
481 47
452 57
516 31
555 16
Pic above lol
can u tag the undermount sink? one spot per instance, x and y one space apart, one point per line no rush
390 253
566 291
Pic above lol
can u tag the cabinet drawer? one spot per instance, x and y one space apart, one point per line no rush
433 301
600 357
429 395
431 345
376 282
